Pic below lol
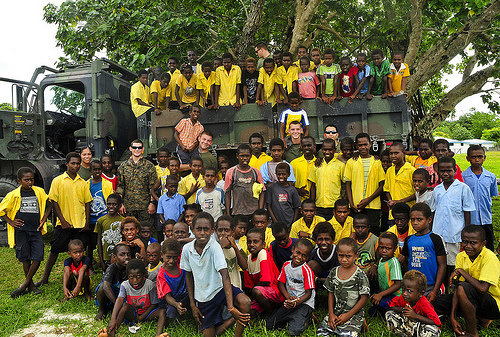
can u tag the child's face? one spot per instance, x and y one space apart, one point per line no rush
255 243
217 64
188 73
301 52
287 61
244 157
210 177
76 253
476 158
113 206
363 145
424 151
172 188
144 79
282 238
256 145
397 155
168 231
27 181
472 244
294 104
411 292
250 67
277 152
240 230
441 150
345 65
162 158
347 151
96 170
328 60
328 151
307 146
278 59
282 175
170 259
377 59
196 167
172 65
324 241
153 256
202 231
136 278
361 62
316 57
304 66
260 221
346 256
386 162
195 111
419 222
223 169
145 232
446 172
295 131
173 166
361 228
73 165
300 254
164 83
227 63
130 231
419 183
223 229
269 67
401 221
189 215
122 256
308 212
386 248
180 231
207 71
341 213
107 164
397 60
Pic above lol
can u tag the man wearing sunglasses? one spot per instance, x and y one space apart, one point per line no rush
136 177
330 133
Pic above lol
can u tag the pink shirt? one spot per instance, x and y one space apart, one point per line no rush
307 84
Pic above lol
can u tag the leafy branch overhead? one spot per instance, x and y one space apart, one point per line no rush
139 34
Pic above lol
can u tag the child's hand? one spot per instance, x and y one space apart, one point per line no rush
230 238
375 298
224 243
409 312
237 105
341 319
291 303
137 242
17 223
75 291
318 162
285 100
303 192
455 275
240 317
67 293
151 208
157 111
197 314
279 101
180 309
194 187
65 224
351 98
431 297
303 235
456 326
372 272
362 204
331 321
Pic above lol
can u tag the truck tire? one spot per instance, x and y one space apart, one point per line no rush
7 184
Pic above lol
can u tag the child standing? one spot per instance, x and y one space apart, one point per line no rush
205 85
174 73
268 170
162 155
187 133
348 290
328 73
210 197
386 163
307 80
367 243
411 313
145 231
294 113
258 158
364 75
347 80
396 80
379 68
302 166
287 77
441 148
282 199
281 247
249 77
107 170
402 229
108 230
185 88
160 95
227 83
296 284
76 280
171 204
266 83
304 227
154 256
26 210
192 182
483 185
423 193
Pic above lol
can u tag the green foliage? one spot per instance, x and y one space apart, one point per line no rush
6 106
471 125
492 134
68 101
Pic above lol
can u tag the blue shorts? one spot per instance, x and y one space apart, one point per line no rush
135 315
29 245
109 305
171 311
212 310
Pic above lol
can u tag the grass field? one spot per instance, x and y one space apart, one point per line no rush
15 315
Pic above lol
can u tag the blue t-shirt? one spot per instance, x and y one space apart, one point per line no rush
173 284
171 207
362 73
422 252
98 205
281 254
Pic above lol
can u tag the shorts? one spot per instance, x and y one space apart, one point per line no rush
269 293
452 250
402 326
326 213
185 157
138 314
296 318
29 245
62 237
108 305
212 310
171 311
74 279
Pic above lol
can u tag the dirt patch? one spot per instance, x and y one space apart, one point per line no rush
44 328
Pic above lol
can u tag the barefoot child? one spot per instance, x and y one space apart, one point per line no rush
348 290
108 230
76 280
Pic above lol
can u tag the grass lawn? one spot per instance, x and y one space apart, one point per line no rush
492 162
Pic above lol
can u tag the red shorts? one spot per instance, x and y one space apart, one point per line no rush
270 293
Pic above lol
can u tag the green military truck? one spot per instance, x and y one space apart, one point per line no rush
89 105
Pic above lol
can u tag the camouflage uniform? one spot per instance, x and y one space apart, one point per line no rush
402 326
135 180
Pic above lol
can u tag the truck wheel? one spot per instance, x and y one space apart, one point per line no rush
7 184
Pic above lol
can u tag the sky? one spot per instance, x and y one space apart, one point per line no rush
38 47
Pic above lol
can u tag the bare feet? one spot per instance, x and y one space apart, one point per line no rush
103 332
100 316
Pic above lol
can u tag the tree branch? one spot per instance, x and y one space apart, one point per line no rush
245 8
469 67
336 34
416 31
253 23
303 16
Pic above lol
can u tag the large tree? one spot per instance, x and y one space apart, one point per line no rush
431 32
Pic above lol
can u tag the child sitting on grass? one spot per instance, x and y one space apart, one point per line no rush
108 230
76 280
281 248
324 257
130 233
348 290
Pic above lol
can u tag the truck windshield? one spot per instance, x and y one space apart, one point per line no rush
64 100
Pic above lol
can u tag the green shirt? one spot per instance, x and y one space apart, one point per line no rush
329 74
208 160
378 73
388 272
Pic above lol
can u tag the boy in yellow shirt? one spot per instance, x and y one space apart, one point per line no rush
227 83
160 95
266 83
342 223
174 73
139 99
286 78
398 77
185 88
302 52
259 158
205 85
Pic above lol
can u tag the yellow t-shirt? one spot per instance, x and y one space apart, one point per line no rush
269 238
400 185
342 231
394 230
300 225
71 195
397 76
355 174
184 85
256 163
205 84
163 93
268 82
424 163
227 83
172 83
301 169
161 172
286 77
185 186
485 268
328 180
311 65
142 92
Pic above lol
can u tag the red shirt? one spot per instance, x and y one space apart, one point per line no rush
261 269
434 177
423 307
114 180
347 82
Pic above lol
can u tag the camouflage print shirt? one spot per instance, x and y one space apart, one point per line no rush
135 180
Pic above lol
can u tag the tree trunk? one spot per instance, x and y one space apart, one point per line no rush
247 38
303 16
416 31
